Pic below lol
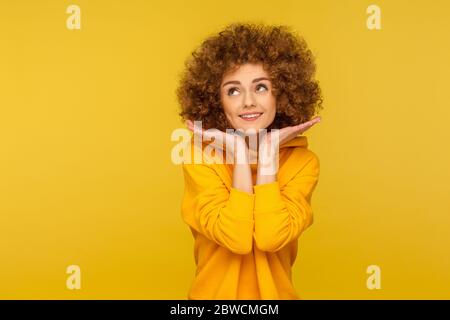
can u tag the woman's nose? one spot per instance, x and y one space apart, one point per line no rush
249 99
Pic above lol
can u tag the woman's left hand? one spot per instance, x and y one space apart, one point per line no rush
268 151
288 133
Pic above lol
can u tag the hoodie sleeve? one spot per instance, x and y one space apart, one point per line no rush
223 216
281 215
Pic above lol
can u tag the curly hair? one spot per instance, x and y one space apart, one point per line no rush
283 54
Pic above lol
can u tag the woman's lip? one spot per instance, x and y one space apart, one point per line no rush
251 119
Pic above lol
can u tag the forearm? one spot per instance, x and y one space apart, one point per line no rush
242 178
242 173
266 176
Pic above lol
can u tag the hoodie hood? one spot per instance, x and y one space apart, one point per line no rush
299 141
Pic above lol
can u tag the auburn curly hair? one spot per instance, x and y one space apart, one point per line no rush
283 54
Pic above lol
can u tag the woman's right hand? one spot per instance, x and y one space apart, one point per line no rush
237 148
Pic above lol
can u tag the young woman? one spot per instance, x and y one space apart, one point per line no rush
246 221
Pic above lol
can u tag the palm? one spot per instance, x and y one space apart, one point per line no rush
219 139
288 133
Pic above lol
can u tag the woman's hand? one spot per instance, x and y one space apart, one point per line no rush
269 146
288 133
233 145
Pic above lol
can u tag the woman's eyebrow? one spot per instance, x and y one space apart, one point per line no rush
259 79
237 82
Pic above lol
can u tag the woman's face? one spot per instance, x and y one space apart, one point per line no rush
247 99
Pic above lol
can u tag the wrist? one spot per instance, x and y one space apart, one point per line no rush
240 152
267 165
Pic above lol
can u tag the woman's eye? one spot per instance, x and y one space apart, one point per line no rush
261 86
230 91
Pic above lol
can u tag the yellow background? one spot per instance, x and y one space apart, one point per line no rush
85 171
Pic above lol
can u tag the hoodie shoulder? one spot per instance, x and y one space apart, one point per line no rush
300 151
299 158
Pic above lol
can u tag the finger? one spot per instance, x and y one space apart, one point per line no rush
311 122
212 134
305 126
315 120
197 129
189 125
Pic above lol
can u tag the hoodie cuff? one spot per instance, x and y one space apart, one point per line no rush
241 203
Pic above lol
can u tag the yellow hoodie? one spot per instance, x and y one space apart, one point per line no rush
245 244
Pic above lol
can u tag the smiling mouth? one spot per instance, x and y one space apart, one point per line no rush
250 116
